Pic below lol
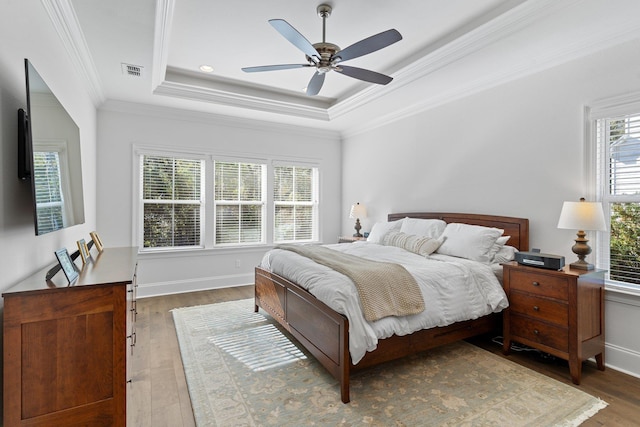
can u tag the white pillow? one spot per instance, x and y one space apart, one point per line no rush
469 241
505 254
500 242
421 245
379 230
423 227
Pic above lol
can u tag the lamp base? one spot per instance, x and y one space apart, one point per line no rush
582 249
358 227
581 265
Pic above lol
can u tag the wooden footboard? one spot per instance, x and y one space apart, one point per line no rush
317 327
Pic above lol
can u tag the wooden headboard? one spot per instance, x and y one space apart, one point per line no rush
517 228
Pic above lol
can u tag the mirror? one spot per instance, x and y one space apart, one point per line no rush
56 168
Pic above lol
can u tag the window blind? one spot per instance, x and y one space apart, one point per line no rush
619 180
295 203
172 202
239 202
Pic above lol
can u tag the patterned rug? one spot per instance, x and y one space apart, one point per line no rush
243 370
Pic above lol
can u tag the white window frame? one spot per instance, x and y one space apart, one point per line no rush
315 233
207 221
262 203
139 238
596 161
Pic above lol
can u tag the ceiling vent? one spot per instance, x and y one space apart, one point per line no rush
132 70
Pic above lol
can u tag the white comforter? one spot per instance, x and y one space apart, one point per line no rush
454 289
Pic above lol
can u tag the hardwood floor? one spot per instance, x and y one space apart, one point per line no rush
158 392
159 396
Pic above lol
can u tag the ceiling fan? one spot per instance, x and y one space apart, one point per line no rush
327 57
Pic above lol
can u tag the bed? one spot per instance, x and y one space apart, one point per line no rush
325 332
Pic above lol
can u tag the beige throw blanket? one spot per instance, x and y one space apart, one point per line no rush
385 289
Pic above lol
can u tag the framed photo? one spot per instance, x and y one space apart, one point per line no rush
84 250
96 240
67 265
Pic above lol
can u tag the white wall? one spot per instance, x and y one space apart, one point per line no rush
515 150
122 126
26 32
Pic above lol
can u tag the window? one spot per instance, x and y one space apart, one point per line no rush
249 201
618 182
172 205
239 202
49 197
295 203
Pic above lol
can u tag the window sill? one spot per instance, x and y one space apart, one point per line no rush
625 294
200 251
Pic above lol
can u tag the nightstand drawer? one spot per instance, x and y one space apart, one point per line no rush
539 284
540 332
539 308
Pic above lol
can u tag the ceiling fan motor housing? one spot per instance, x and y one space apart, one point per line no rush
326 51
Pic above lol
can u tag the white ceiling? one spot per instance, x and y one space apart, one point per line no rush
449 49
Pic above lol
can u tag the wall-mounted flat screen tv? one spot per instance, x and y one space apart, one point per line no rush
49 157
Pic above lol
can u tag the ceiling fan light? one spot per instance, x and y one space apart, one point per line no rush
206 68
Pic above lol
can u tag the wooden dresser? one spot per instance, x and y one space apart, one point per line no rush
66 347
558 312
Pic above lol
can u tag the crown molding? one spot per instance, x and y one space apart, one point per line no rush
441 55
170 113
65 22
436 57
271 105
596 41
500 27
162 36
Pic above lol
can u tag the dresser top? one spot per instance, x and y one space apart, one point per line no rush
109 267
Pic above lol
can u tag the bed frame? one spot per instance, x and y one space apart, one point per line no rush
325 333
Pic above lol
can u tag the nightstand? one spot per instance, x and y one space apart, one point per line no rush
558 312
350 239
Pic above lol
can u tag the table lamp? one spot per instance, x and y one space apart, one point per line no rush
358 211
582 216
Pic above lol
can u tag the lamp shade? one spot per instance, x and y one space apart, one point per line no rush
358 211
582 216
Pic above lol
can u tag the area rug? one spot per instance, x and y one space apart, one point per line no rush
242 369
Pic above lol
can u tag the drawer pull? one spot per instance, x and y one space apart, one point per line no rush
537 332
536 308
535 284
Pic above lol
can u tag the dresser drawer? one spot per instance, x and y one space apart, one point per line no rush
539 332
539 308
539 284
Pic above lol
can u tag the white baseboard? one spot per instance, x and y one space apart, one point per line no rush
622 359
146 290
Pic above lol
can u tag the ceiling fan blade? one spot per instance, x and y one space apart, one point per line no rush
297 39
362 74
273 67
368 45
315 84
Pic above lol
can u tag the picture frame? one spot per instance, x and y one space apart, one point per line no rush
96 240
83 249
67 265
